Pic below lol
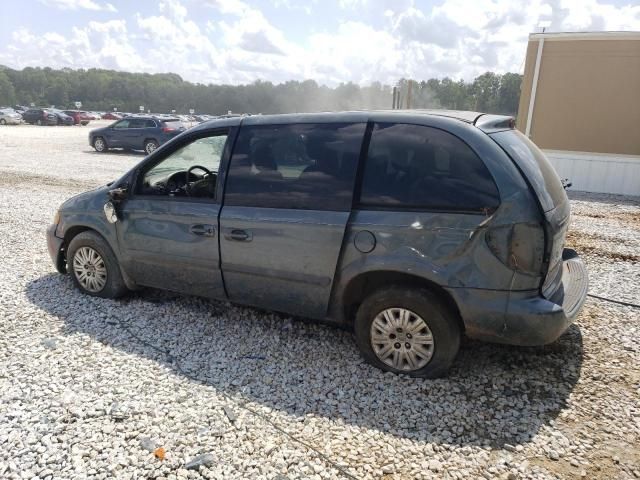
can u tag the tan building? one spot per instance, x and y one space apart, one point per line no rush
580 103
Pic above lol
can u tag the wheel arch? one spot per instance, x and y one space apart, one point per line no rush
362 285
72 232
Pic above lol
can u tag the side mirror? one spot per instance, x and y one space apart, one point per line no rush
118 194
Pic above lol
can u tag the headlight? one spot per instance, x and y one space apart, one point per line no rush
56 218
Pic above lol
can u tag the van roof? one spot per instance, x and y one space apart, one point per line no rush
484 121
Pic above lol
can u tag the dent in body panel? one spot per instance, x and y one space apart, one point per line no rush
86 210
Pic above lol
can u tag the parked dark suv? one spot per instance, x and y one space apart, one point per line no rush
136 133
412 227
40 116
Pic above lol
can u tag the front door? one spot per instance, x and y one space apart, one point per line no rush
115 135
168 233
287 203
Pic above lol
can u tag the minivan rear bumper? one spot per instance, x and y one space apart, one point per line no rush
525 318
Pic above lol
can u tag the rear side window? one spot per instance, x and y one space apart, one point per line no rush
149 123
302 166
417 167
137 123
535 166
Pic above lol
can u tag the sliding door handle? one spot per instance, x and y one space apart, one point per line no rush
239 235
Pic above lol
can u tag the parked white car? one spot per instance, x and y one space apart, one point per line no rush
8 116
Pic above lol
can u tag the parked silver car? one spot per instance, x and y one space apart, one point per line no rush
413 228
8 116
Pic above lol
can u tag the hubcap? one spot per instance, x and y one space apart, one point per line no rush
90 269
401 339
151 147
99 144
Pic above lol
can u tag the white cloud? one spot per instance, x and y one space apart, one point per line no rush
371 40
79 5
99 44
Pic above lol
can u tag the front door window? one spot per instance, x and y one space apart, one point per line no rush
190 171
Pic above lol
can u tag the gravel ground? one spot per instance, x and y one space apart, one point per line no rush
91 388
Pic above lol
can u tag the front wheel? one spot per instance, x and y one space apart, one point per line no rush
407 330
150 146
94 267
3 121
100 145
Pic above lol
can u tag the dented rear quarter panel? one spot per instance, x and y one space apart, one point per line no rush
447 248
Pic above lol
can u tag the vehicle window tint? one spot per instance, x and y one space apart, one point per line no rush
137 123
535 166
169 177
411 166
303 166
122 124
150 123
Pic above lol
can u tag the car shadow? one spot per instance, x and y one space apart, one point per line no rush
119 152
493 395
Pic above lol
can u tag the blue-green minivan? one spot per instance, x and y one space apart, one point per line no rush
411 227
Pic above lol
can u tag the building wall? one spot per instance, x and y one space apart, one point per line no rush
586 112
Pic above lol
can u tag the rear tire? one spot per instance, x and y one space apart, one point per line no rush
416 333
39 122
100 145
150 146
94 267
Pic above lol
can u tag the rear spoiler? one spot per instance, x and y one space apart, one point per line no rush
489 123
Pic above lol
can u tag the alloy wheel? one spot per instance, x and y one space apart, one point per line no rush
150 147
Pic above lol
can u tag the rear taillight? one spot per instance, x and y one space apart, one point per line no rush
168 129
519 246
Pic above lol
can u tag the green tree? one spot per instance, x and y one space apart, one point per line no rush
7 91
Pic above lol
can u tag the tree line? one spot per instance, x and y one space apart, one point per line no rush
100 89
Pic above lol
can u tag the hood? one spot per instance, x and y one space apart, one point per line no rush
85 200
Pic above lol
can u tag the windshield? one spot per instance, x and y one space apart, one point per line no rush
535 165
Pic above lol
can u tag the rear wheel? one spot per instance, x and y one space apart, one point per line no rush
99 144
94 267
38 122
150 146
407 330
3 121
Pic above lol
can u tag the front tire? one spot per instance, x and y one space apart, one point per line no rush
407 330
100 145
3 121
94 267
150 146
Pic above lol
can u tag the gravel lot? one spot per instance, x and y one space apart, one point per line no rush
89 388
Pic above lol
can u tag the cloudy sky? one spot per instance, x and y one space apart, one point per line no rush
331 41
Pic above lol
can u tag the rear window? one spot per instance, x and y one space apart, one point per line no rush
417 167
173 124
535 166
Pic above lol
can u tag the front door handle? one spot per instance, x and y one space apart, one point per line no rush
203 230
239 235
